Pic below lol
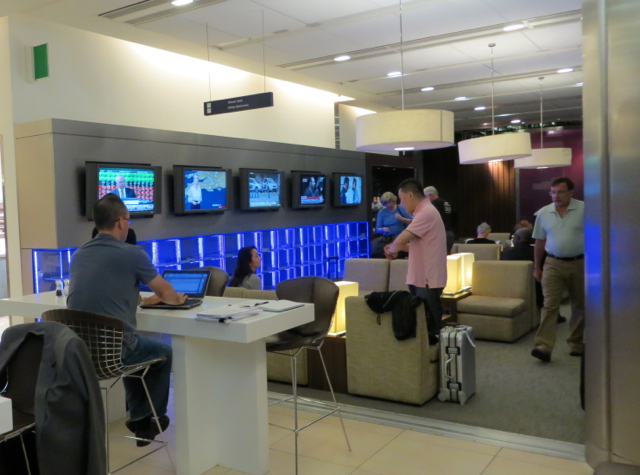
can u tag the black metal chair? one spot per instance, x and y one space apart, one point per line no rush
103 336
323 293
21 377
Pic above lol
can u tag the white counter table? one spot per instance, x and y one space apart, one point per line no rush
220 379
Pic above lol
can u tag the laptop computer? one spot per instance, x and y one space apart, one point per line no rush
193 283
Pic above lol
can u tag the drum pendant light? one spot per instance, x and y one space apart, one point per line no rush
545 157
416 129
494 147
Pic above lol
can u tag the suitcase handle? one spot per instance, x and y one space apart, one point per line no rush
447 369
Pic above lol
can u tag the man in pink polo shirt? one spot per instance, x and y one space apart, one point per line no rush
426 240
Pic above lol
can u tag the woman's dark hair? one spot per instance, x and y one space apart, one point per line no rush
243 269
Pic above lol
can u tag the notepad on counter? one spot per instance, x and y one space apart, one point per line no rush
227 313
280 305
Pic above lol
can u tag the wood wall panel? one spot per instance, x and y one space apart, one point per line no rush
477 193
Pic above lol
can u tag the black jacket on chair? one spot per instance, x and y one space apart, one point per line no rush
70 426
402 306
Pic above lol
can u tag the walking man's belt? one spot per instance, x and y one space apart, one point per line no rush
581 256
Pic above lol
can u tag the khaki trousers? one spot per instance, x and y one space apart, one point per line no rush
558 275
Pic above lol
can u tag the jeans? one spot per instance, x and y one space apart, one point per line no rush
157 379
432 305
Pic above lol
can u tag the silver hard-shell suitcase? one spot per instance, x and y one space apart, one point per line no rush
457 364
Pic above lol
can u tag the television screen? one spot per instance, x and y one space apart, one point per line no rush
308 189
260 189
347 189
200 189
137 186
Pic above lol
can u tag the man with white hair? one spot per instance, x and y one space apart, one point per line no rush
446 213
483 231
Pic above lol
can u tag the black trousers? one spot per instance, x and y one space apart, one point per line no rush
432 305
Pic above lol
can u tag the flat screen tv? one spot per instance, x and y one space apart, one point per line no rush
138 185
260 189
347 189
308 189
200 190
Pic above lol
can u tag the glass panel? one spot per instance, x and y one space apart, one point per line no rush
232 244
253 239
316 234
301 237
329 233
315 254
341 247
190 250
168 253
269 240
341 231
285 238
269 280
269 260
212 246
301 256
286 258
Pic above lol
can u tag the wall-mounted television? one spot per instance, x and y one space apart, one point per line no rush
138 185
260 189
201 190
308 189
347 189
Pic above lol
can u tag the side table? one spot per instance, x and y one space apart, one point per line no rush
450 302
334 351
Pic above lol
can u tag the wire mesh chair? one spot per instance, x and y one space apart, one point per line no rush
21 377
103 336
323 293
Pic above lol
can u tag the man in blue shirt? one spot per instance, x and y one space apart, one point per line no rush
559 230
105 278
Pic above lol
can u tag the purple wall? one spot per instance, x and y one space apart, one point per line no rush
534 184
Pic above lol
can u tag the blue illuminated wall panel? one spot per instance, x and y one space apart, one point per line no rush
286 253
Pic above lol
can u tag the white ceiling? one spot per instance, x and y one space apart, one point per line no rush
445 45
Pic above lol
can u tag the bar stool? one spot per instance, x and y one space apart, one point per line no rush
323 293
103 336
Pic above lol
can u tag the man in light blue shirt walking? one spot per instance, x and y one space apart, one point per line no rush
559 231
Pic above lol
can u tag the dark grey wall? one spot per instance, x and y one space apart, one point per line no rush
77 142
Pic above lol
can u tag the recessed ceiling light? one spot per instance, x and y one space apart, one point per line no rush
394 74
579 84
402 149
179 3
344 57
516 121
564 70
479 108
551 132
494 161
517 26
461 98
427 89
542 168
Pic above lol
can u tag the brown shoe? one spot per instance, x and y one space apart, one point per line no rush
541 354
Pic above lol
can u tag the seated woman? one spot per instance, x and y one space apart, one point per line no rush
245 274
390 221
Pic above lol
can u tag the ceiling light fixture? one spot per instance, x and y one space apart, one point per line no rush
516 121
394 74
179 3
417 129
461 98
545 157
344 57
517 26
427 89
479 108
579 84
494 147
564 70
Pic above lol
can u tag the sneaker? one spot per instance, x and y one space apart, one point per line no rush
147 429
541 354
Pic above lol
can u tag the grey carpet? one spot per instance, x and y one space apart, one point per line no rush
515 392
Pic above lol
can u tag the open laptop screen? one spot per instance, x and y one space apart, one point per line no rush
192 283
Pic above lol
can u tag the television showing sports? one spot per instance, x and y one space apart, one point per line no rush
260 189
138 186
200 190
308 189
347 189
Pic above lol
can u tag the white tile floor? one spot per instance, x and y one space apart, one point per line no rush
376 450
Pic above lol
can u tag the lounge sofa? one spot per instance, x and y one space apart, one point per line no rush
380 366
377 275
482 252
503 305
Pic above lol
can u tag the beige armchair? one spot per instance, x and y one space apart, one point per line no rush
380 366
398 274
503 305
482 252
500 238
371 274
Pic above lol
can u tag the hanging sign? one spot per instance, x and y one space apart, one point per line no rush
237 104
